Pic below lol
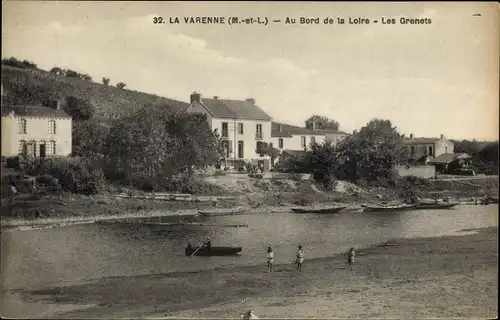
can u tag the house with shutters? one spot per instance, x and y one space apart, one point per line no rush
241 124
35 131
294 140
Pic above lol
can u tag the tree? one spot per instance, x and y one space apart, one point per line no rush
372 153
72 74
57 70
121 85
89 138
322 123
321 161
86 77
466 146
78 108
266 149
105 81
158 144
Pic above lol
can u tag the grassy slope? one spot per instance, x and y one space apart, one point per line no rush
110 101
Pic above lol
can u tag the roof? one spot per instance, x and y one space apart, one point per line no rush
234 109
420 140
289 130
448 157
34 111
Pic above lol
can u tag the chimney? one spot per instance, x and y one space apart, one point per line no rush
58 104
280 126
195 96
216 97
411 135
442 136
313 125
354 131
250 100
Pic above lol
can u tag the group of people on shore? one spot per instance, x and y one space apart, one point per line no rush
300 259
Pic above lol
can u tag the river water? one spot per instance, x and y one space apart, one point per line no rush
44 257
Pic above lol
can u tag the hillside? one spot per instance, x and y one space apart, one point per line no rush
110 102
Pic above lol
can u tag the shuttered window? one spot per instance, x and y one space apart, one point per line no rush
23 127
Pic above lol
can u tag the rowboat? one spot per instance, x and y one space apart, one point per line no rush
402 207
435 205
214 251
318 210
216 213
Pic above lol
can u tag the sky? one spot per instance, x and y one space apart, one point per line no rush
428 79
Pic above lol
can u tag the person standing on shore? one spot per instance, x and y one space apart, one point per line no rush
270 260
300 258
350 258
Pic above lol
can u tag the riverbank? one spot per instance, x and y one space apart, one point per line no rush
454 276
252 195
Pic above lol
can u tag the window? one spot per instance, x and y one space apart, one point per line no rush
280 143
240 149
240 128
313 140
23 126
430 151
303 142
23 147
52 126
52 147
225 130
412 150
258 132
226 146
259 145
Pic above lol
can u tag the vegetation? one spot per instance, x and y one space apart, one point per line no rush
79 109
267 149
155 145
367 157
31 86
121 85
322 123
105 81
484 155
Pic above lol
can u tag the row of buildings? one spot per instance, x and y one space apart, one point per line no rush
242 125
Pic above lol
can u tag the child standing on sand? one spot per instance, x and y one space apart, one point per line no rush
270 260
350 258
300 258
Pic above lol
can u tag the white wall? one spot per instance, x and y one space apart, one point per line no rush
37 129
295 142
248 136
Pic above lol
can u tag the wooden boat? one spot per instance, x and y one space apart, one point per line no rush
214 251
318 210
216 213
389 208
435 205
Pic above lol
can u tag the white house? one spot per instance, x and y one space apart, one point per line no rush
35 131
240 123
294 140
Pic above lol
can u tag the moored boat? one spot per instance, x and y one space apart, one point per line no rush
216 213
375 208
318 210
214 251
435 205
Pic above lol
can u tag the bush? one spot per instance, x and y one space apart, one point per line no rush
74 174
219 172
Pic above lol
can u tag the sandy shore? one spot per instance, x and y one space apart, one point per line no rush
410 278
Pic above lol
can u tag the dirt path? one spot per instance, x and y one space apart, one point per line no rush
431 277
